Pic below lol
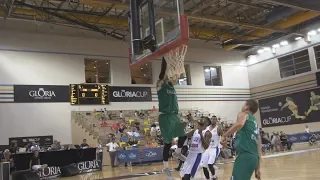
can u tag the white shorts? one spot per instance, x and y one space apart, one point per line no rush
210 156
191 164
39 167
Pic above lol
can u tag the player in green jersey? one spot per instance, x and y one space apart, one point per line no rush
247 143
169 122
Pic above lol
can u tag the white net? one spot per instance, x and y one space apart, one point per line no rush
175 62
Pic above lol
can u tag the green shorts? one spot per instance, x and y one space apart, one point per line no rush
244 166
171 127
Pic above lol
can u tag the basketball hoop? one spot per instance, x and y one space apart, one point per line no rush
175 62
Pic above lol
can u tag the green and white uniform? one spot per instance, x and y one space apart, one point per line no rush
169 122
246 145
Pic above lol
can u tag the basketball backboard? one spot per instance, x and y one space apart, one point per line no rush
157 26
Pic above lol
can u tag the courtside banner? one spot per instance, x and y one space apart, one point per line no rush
41 93
152 154
130 94
296 108
128 156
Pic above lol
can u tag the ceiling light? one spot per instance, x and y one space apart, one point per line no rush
95 75
107 63
146 64
95 61
260 51
141 68
284 43
312 33
144 75
267 49
94 67
275 46
298 38
207 70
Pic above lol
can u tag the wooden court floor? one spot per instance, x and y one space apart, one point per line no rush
298 165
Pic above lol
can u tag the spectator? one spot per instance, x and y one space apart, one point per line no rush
149 145
104 124
133 133
100 153
132 142
35 147
14 148
112 149
261 132
115 127
8 158
122 128
275 142
136 113
121 115
84 144
56 145
124 138
35 162
284 140
307 130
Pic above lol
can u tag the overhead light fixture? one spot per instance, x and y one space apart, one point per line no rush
284 43
260 51
94 67
95 75
141 68
146 64
267 49
207 70
312 33
107 63
298 38
275 46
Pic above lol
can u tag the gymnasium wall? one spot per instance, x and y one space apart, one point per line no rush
265 80
54 59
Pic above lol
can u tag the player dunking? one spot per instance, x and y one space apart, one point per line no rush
211 154
169 122
247 143
200 140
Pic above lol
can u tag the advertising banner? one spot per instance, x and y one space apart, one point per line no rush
128 156
130 94
152 154
44 141
296 108
41 93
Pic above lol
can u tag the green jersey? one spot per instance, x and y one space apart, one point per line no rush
167 98
247 137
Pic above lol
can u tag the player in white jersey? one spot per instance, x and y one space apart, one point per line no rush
211 154
200 141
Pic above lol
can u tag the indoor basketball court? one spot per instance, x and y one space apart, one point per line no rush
299 165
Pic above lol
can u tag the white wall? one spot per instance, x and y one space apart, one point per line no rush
48 59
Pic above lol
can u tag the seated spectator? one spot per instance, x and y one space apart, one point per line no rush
84 144
284 140
132 142
35 162
115 127
104 124
149 145
123 137
56 145
35 147
137 125
14 148
122 128
133 133
8 158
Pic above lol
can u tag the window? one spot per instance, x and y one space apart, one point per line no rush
295 63
97 71
212 76
317 53
142 74
187 79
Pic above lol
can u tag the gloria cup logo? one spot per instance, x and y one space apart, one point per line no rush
88 165
151 154
50 173
129 94
41 93
121 156
132 156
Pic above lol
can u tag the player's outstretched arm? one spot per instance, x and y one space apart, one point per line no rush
241 120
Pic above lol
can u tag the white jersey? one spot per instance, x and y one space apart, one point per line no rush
215 139
196 144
